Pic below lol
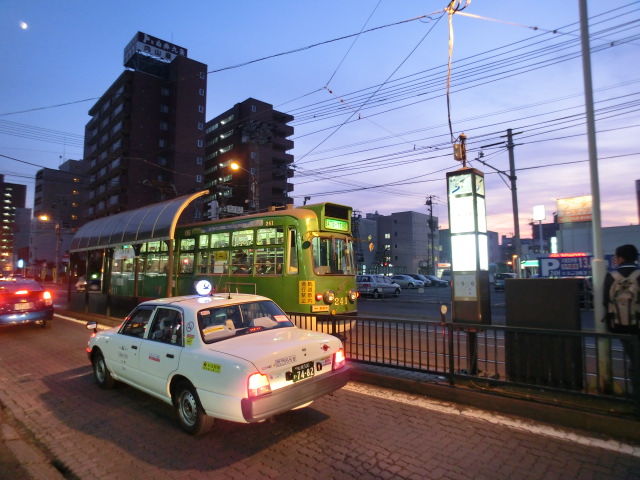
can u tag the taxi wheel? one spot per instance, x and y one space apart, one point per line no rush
191 415
101 372
376 294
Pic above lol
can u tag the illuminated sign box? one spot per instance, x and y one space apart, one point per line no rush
334 224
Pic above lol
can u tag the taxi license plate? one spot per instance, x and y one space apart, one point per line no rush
23 306
302 371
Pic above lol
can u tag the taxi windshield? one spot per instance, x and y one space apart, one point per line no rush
220 323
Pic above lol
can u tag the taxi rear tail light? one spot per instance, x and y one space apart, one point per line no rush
339 359
258 385
47 297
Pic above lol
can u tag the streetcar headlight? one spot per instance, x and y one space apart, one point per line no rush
329 297
352 295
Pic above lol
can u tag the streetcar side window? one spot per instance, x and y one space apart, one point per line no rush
186 263
242 238
292 266
270 236
220 240
242 261
187 244
203 262
269 260
219 261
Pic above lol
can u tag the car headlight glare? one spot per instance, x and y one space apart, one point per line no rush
329 297
352 295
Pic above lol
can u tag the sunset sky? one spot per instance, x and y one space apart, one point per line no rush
366 81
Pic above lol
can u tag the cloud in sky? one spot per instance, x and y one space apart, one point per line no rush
372 123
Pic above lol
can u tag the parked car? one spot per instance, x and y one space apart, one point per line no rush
498 282
437 282
405 281
377 286
25 301
446 276
235 357
419 276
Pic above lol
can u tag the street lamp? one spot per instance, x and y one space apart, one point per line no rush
46 218
253 187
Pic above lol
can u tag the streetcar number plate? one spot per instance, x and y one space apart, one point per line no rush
302 371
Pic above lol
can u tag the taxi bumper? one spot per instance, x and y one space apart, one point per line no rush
257 409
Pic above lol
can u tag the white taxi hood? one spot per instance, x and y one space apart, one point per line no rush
273 349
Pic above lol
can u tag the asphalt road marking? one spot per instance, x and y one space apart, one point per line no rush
529 426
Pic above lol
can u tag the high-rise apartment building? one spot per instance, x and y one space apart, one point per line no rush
145 140
13 197
60 194
247 166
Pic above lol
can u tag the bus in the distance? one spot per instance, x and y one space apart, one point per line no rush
302 258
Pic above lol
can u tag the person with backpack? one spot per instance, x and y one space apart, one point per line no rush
622 300
622 292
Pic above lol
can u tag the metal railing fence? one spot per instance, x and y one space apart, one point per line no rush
564 361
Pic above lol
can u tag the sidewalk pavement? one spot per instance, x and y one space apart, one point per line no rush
20 457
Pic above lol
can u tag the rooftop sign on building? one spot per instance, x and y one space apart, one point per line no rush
153 47
575 209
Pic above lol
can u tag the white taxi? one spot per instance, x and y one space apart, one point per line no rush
235 357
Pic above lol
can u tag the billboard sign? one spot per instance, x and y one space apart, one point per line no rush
575 209
577 266
154 47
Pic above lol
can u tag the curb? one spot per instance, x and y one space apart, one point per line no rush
22 459
622 428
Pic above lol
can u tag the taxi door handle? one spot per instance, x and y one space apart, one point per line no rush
134 347
169 355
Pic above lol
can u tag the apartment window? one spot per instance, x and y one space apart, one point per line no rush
253 108
198 178
201 108
162 161
198 160
200 126
164 108
200 143
226 149
201 92
162 143
203 75
164 91
164 126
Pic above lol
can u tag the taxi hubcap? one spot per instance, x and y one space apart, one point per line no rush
188 407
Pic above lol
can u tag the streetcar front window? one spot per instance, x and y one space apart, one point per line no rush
332 256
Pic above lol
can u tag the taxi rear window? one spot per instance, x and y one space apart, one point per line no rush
220 323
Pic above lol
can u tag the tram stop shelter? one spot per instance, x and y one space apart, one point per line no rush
93 246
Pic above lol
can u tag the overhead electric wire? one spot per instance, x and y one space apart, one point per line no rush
462 73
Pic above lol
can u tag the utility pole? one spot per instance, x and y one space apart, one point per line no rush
598 266
514 200
514 190
431 247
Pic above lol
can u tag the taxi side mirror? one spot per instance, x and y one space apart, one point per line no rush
93 325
